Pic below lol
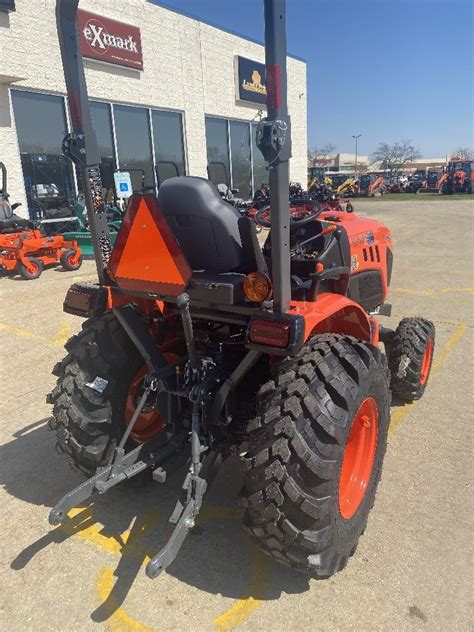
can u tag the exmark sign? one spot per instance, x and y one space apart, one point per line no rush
110 41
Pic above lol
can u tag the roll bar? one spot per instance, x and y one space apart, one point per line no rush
81 144
273 140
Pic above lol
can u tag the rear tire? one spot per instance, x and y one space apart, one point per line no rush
294 491
38 266
66 258
88 424
410 355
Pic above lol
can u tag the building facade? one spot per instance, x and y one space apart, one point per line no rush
169 94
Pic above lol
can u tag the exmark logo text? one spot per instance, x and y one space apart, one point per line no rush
101 40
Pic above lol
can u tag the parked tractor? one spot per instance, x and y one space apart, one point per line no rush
460 177
370 185
198 344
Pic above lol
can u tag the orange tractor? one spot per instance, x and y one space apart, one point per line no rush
459 177
198 344
370 185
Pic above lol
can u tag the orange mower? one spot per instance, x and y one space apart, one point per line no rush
28 252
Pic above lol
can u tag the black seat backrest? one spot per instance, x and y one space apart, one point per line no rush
208 229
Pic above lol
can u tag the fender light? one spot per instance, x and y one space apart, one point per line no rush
83 299
272 334
281 334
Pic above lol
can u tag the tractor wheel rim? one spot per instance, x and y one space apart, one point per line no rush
426 362
149 422
70 260
358 461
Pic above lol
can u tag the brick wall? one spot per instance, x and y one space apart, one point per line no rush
188 66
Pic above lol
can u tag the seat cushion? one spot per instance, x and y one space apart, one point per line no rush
206 227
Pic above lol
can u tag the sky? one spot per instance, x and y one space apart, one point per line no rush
386 69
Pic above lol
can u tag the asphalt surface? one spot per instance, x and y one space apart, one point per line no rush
413 567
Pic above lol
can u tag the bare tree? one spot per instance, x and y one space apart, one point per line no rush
393 158
462 153
320 155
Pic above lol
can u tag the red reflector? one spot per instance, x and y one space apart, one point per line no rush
272 334
80 301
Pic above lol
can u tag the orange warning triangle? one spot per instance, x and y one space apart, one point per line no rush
145 255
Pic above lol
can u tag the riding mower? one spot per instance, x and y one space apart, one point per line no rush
198 345
24 248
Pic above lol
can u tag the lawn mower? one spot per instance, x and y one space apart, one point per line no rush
24 248
198 345
27 251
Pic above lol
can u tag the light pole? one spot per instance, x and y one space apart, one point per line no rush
355 166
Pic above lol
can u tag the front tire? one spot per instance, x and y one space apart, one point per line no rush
67 260
321 406
37 267
410 356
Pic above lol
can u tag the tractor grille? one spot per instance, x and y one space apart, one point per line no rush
371 254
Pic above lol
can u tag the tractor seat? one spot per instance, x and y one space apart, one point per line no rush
211 233
14 224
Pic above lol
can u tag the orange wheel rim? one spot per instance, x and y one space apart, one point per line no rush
426 362
358 461
149 422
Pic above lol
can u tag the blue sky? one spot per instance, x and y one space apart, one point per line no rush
388 69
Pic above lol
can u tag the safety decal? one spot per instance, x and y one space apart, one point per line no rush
354 262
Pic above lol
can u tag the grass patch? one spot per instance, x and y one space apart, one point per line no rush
419 197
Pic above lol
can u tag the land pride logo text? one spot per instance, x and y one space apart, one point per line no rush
108 40
256 84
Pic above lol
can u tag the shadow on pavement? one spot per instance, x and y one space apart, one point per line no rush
216 558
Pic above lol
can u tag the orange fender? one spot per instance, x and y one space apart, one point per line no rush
335 313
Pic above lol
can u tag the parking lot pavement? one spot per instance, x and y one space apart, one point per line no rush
412 570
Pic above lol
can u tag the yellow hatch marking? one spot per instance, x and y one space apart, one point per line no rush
57 341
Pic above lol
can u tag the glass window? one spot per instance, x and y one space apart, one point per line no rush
240 157
168 139
134 146
41 126
217 150
102 124
260 172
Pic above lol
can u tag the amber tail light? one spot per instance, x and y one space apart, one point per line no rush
270 333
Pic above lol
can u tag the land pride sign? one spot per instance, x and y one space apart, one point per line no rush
251 86
107 40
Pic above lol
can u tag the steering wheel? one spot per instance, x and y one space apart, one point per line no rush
299 217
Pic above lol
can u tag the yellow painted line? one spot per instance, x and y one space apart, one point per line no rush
468 290
119 620
58 341
126 543
62 337
402 411
433 293
406 290
260 575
